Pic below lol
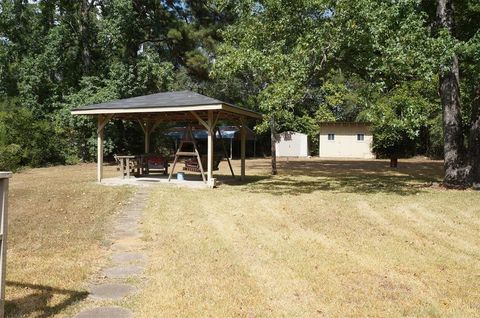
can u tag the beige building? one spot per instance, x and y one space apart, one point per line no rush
345 140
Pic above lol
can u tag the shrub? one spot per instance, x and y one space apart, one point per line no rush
10 157
35 139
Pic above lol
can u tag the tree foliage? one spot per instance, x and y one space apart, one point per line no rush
316 60
56 55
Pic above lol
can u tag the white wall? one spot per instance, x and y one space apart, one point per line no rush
345 144
292 144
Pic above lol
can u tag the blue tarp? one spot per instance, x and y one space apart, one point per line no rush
228 132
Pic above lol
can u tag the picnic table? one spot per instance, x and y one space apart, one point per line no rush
127 163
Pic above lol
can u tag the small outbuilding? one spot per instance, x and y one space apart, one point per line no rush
345 140
291 144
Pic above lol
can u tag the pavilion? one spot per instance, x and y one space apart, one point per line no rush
170 107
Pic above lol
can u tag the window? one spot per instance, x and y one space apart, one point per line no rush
331 136
360 137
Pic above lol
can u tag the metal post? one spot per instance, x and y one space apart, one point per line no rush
4 178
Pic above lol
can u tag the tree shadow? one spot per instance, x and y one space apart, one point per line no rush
37 301
355 176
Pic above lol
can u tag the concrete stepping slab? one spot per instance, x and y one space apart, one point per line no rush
126 234
129 246
123 271
133 213
133 216
127 219
137 209
117 247
105 312
111 291
126 227
121 236
124 257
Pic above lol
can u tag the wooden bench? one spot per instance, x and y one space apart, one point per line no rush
192 164
155 162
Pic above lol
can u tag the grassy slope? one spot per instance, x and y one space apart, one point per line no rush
56 227
321 239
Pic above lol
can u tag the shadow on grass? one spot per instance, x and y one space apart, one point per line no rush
37 301
369 176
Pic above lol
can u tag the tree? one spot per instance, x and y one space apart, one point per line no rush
461 164
53 51
398 119
321 59
456 170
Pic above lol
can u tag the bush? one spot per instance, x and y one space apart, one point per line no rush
35 141
10 157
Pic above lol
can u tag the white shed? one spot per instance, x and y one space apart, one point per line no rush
291 144
345 140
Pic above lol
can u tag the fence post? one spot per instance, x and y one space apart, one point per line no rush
4 178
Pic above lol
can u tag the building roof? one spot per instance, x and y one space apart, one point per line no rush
166 102
345 123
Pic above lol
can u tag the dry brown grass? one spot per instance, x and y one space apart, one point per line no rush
56 227
324 238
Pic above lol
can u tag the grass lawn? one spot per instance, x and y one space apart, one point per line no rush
57 220
323 238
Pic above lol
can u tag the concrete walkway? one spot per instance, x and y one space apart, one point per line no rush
128 261
194 182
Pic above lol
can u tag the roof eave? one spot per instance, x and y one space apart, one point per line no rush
241 111
101 111
228 108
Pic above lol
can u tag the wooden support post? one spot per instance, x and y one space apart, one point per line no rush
210 147
102 122
147 136
242 148
100 131
4 179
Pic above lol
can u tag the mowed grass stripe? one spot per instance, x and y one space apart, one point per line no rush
194 269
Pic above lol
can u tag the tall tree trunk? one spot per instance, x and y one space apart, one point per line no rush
474 142
456 172
85 8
